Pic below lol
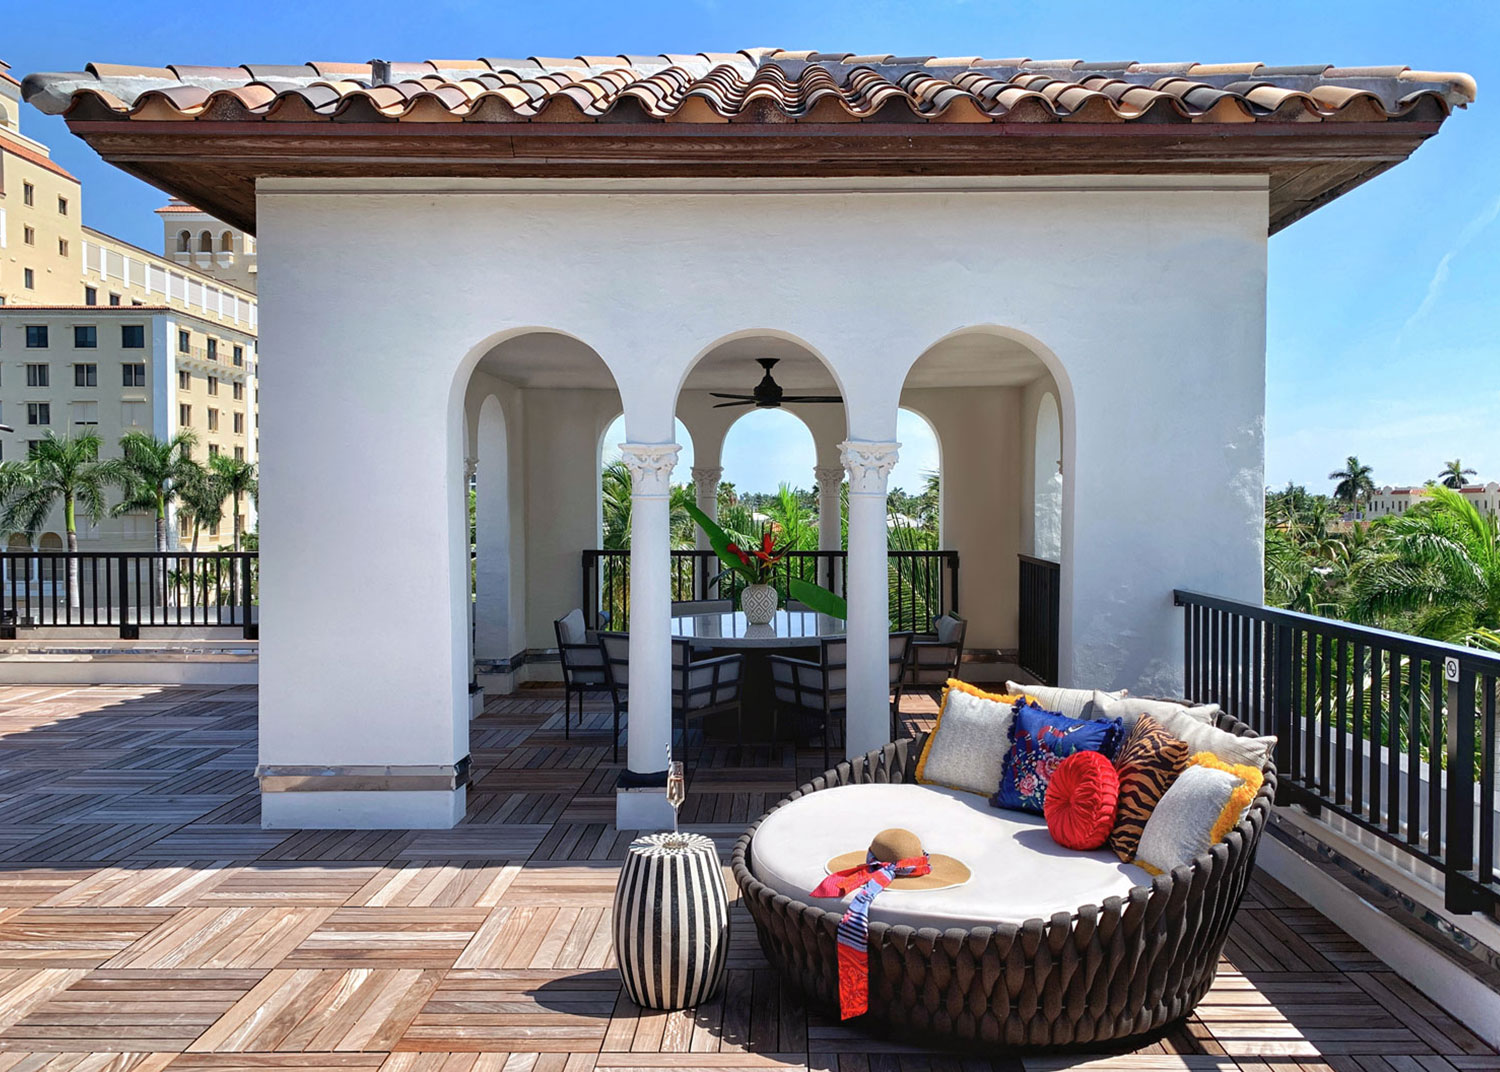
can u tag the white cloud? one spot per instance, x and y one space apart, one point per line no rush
1444 267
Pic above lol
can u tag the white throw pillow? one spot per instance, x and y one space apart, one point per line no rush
1184 724
1075 703
1131 708
1205 802
966 749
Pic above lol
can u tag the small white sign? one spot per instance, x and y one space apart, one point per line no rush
1450 668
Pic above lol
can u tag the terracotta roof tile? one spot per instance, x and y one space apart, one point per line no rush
754 86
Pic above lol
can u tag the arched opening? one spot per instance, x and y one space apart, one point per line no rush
226 242
50 541
184 241
205 242
535 407
981 390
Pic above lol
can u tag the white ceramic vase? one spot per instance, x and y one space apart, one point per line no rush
758 601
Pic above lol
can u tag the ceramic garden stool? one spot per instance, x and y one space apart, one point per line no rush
671 921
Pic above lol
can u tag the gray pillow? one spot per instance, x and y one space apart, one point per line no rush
1131 708
1182 723
1075 703
1199 809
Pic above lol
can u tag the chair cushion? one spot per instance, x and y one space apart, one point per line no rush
572 627
1207 800
966 749
791 848
1148 763
1039 741
1181 722
1130 708
1081 799
947 628
1075 703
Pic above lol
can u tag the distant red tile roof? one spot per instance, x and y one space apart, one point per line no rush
31 155
758 86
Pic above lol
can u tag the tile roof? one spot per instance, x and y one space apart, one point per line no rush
755 86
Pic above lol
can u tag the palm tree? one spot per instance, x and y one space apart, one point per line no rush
60 469
614 491
153 473
1434 571
1355 483
201 501
238 478
1453 474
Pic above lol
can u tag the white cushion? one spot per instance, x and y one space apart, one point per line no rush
1182 825
1200 736
1018 871
1075 703
1130 708
573 629
967 749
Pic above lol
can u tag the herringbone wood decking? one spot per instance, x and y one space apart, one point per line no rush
147 922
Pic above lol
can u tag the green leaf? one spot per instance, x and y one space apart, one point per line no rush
818 598
719 540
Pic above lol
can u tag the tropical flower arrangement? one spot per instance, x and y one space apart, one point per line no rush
757 565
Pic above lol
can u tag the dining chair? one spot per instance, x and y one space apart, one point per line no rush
817 691
702 606
582 663
934 658
614 648
706 686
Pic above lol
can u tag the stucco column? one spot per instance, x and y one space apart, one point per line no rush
706 480
830 481
492 641
641 801
869 465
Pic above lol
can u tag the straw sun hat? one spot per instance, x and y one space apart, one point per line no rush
895 844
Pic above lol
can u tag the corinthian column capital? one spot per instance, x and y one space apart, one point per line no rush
650 466
869 464
706 479
829 477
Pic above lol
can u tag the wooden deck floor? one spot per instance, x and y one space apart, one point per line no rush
147 922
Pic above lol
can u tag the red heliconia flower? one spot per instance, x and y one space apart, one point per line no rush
766 543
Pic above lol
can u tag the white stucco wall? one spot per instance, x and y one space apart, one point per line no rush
1161 386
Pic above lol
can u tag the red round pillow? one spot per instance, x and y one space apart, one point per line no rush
1081 799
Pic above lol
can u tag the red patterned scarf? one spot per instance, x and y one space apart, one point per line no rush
870 878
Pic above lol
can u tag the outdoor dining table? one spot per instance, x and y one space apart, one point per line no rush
791 632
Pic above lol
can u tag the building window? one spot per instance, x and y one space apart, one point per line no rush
184 241
85 337
205 243
213 385
38 413
86 414
239 454
28 279
239 424
239 392
86 375
133 374
38 376
213 349
62 206
28 194
114 299
133 336
28 235
32 446
133 414
62 247
226 242
184 379
239 355
213 420
213 451
184 341
184 415
36 336
90 296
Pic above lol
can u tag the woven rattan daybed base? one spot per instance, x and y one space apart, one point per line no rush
1101 973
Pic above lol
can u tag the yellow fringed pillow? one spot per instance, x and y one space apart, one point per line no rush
1203 805
966 749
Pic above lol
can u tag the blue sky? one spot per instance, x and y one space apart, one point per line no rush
1384 324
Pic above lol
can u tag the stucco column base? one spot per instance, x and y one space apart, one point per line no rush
436 809
642 808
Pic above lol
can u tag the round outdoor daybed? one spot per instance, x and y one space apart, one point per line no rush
1124 965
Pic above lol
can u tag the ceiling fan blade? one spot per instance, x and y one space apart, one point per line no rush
746 402
811 398
738 398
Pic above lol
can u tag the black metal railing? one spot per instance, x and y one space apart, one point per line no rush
1394 733
1040 609
923 584
129 591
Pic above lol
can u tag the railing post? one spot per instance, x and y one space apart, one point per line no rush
250 626
128 630
1459 890
1282 714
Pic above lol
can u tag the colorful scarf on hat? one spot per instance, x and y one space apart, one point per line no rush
871 877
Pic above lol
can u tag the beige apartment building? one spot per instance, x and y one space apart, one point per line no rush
100 335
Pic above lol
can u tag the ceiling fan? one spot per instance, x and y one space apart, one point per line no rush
768 393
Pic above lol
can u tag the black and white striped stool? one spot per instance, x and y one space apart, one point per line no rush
671 921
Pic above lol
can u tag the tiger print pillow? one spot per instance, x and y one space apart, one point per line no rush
1148 763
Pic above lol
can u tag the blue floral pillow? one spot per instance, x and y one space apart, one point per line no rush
1039 741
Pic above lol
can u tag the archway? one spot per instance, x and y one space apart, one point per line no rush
980 389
